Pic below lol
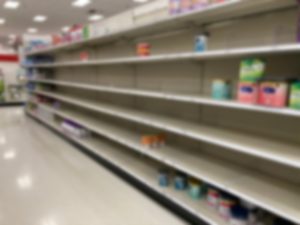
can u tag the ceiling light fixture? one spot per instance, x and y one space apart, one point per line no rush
140 1
66 29
94 16
2 21
81 3
11 4
40 18
32 30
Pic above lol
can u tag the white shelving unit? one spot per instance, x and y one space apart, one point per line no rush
229 9
209 55
193 99
284 199
260 147
250 151
135 167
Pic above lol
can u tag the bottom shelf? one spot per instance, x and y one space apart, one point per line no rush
144 171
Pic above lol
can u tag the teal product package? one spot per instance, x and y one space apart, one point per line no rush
221 89
295 95
252 69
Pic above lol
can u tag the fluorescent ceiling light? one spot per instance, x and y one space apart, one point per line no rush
9 155
65 29
140 1
95 17
25 182
81 3
11 4
2 21
39 18
32 30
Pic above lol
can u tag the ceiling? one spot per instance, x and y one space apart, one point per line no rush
60 13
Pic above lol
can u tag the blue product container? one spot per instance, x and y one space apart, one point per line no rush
221 90
280 221
164 178
239 215
180 182
196 189
201 43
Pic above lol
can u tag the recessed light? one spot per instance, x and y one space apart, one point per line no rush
11 4
66 29
2 21
40 18
140 1
81 3
32 30
95 17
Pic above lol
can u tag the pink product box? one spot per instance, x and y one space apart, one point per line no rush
200 4
273 94
174 6
248 92
186 6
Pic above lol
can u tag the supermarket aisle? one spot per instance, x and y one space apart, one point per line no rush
44 181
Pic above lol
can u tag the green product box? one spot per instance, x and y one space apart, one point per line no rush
252 69
86 32
295 95
2 87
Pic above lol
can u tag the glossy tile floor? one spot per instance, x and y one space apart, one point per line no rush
45 181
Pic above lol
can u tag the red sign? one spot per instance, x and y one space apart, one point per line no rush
9 58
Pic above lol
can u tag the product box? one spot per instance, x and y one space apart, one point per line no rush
86 32
174 7
295 95
252 69
84 56
272 93
143 49
186 6
248 92
200 4
57 39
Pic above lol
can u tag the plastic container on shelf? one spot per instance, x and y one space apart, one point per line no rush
143 49
280 221
239 215
180 181
201 43
196 189
147 141
164 178
227 202
221 89
213 197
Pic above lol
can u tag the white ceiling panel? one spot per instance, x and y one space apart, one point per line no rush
59 12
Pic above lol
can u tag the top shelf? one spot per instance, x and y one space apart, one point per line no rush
202 56
228 10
